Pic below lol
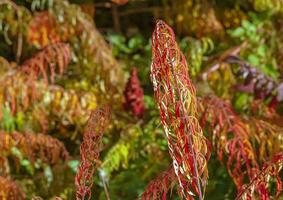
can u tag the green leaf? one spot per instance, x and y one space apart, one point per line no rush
135 42
74 165
119 42
17 153
253 59
48 174
28 166
238 32
7 122
261 50
20 120
249 26
149 101
241 101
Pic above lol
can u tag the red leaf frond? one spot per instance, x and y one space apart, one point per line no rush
10 190
44 63
43 30
268 137
11 140
89 150
50 150
46 147
259 108
176 98
229 135
108 71
16 91
134 95
68 106
262 180
19 93
160 186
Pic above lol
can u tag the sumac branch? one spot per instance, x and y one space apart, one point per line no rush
176 99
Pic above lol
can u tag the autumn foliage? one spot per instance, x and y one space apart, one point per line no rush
89 150
199 117
47 60
133 94
176 100
159 187
10 189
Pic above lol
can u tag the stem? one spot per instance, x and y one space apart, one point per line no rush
105 189
19 47
116 18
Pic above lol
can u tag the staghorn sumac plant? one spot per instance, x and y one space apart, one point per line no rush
268 137
58 54
251 79
43 30
20 94
89 150
46 147
66 106
230 136
259 184
256 82
32 146
241 144
176 99
16 91
20 87
133 94
10 189
92 51
242 140
160 186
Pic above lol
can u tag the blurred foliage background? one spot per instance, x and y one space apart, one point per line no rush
61 59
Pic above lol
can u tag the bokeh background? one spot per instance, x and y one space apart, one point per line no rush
61 59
